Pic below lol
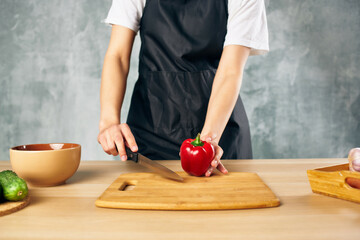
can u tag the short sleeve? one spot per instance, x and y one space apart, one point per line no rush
247 25
126 13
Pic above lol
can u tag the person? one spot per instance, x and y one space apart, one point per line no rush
191 64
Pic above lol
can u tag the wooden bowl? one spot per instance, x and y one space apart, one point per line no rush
47 164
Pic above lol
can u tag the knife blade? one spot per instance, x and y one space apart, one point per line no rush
152 165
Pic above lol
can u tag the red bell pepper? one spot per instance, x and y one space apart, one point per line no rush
196 156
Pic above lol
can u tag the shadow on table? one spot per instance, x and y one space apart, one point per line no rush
34 199
322 204
82 176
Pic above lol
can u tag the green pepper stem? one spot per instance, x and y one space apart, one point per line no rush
197 142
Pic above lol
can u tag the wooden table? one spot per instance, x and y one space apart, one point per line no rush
69 212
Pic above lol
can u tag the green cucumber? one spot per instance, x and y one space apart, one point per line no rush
13 187
2 199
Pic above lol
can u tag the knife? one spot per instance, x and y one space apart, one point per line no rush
152 165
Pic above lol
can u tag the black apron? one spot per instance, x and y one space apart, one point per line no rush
181 45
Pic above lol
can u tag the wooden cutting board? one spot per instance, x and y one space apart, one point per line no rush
236 190
10 207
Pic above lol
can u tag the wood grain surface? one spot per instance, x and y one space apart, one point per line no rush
68 211
236 190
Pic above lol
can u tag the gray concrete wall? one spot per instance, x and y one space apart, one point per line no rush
302 98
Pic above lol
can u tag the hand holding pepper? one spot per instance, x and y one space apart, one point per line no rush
200 158
216 162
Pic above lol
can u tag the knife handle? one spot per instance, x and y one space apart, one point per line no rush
131 155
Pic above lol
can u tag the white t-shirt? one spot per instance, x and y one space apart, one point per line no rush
246 26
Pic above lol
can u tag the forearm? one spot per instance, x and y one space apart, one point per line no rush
225 90
112 91
221 104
